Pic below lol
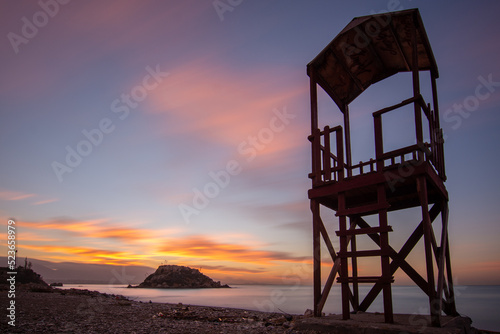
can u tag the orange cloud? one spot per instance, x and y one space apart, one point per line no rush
83 254
65 224
126 234
97 228
228 269
199 247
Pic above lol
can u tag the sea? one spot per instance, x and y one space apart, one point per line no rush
478 302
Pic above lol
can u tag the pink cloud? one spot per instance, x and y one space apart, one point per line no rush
8 195
52 200
223 106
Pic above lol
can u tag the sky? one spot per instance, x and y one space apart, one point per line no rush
150 132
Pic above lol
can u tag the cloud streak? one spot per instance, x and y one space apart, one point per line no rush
90 255
204 248
8 195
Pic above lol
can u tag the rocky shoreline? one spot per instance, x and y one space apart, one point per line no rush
84 311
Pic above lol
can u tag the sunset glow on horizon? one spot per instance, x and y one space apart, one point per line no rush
141 133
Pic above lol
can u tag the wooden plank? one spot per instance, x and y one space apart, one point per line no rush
362 253
361 181
366 230
401 151
365 209
396 106
398 46
366 279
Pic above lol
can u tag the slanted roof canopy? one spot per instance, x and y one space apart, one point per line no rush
369 49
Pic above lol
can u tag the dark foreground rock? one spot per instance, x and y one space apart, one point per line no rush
177 277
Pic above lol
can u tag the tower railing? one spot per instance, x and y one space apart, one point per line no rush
329 167
432 152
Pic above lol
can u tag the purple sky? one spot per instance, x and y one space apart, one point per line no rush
116 115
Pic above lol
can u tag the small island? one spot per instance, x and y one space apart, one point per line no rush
178 277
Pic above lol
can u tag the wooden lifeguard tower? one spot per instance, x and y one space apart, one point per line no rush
370 49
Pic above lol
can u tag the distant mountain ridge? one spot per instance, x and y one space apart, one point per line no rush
86 273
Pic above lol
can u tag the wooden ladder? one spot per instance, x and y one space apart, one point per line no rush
348 236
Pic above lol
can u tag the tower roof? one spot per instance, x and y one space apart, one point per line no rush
369 49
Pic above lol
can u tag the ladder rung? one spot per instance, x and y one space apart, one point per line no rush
366 279
363 209
362 253
365 230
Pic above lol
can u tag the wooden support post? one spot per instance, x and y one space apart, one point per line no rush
435 104
450 307
441 259
438 130
416 92
316 151
347 131
354 263
450 303
379 143
384 246
340 155
314 102
344 268
316 256
326 155
431 292
316 158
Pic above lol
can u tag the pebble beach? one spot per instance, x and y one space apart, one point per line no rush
84 311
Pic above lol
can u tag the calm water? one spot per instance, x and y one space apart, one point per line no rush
480 303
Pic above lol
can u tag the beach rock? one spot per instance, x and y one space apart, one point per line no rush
24 278
179 277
